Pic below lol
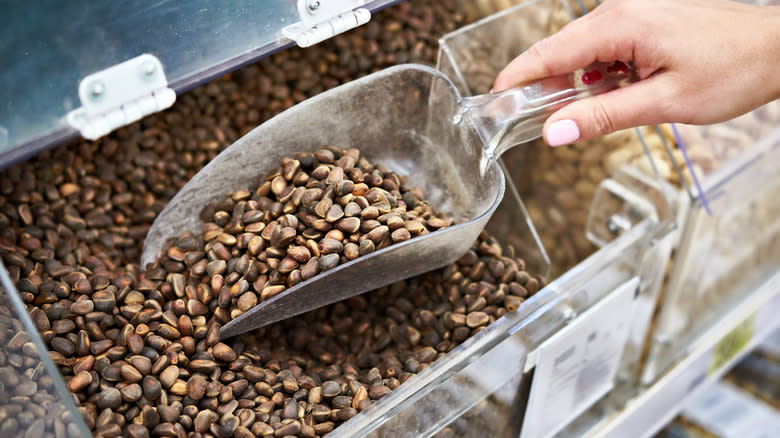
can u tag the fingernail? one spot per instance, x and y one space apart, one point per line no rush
562 132
490 92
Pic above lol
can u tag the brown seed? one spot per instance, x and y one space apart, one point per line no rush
335 212
130 374
283 236
476 319
82 307
80 381
132 392
345 414
377 234
196 308
436 223
327 262
370 213
262 430
253 374
324 428
351 251
287 265
290 385
352 209
169 376
151 387
400 235
247 301
322 207
366 247
300 254
348 224
204 420
271 291
169 332
109 398
196 387
360 396
330 246
379 391
278 185
179 387
137 431
292 428
315 395
165 430
104 301
512 302
331 389
290 409
202 365
224 353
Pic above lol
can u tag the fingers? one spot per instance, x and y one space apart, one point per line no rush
638 104
588 39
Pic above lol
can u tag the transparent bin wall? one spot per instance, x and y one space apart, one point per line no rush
710 148
557 185
481 388
721 258
34 401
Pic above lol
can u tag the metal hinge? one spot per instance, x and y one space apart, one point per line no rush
322 19
120 95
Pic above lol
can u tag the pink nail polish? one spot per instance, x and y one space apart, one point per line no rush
562 132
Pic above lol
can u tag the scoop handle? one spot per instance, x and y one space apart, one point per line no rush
517 115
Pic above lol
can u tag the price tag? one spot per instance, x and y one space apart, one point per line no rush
733 343
576 366
731 413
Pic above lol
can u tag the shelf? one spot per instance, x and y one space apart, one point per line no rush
714 353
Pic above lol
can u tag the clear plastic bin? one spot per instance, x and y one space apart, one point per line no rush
34 401
730 242
481 388
556 184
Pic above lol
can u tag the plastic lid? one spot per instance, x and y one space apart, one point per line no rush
48 46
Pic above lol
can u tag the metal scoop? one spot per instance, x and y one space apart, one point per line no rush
409 118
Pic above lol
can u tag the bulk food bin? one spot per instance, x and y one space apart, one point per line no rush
730 238
50 47
725 236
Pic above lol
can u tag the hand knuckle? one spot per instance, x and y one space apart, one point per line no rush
539 50
602 119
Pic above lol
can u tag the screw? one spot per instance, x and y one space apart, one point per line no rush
149 68
568 315
314 5
618 223
97 89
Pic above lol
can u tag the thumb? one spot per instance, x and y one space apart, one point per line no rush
641 103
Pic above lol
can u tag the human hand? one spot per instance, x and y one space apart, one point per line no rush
699 62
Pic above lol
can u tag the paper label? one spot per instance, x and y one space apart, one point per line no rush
731 413
733 343
577 365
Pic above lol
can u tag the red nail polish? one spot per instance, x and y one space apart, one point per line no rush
590 77
618 67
